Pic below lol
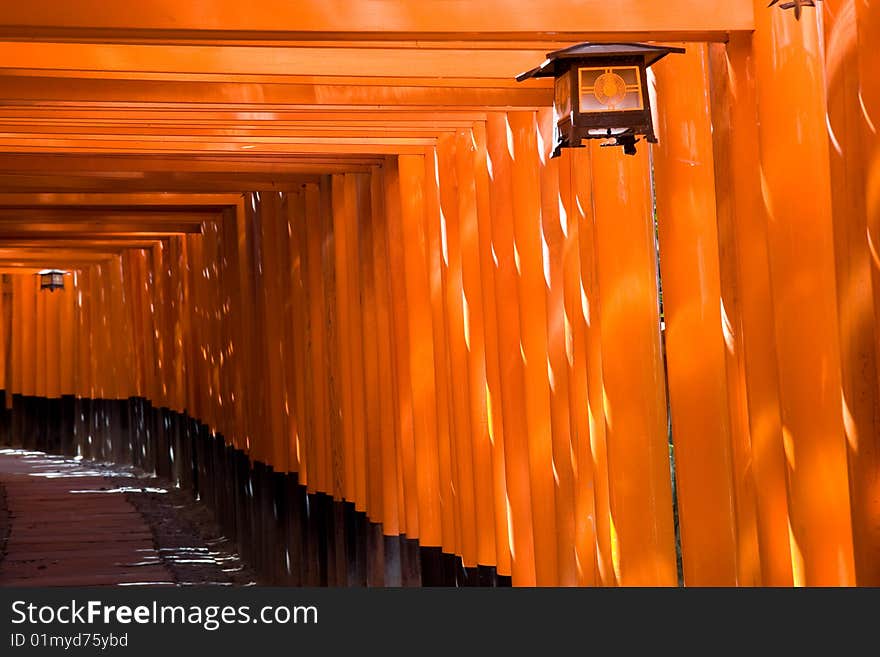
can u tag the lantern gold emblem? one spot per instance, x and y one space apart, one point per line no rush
610 89
614 89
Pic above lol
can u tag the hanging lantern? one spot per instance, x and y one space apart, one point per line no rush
52 279
797 5
601 93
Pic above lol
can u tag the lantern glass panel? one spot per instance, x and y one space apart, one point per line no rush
610 89
562 97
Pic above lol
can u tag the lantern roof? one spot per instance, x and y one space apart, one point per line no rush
649 52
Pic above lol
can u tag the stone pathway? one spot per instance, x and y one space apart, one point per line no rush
70 522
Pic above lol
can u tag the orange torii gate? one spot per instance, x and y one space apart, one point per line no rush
331 233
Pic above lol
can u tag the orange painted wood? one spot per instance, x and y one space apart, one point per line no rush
856 282
178 327
53 345
558 336
403 392
65 338
102 376
421 347
343 213
317 61
449 268
317 19
531 284
448 433
236 353
373 456
746 507
5 330
349 297
791 112
695 319
330 191
512 396
177 94
113 317
479 236
41 321
274 354
642 541
473 199
297 422
26 317
82 355
864 474
200 250
734 108
252 438
357 204
574 172
131 279
313 223
391 475
301 394
226 332
257 275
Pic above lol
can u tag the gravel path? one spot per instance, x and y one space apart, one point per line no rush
70 522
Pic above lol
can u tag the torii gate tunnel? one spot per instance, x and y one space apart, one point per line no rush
321 270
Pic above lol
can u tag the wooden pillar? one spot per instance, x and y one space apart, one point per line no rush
5 309
357 204
794 147
734 115
851 133
314 229
343 214
402 392
576 209
301 394
41 319
470 159
369 348
454 199
421 347
531 287
251 376
337 454
67 339
642 540
560 353
477 260
236 353
695 340
391 522
24 320
511 366
83 368
421 350
447 433
272 346
583 205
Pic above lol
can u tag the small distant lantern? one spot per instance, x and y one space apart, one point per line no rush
52 279
601 93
